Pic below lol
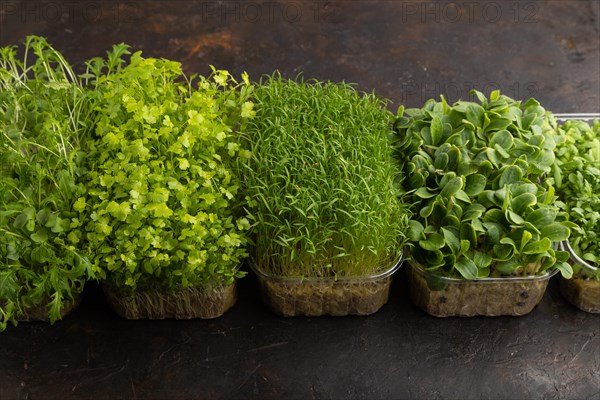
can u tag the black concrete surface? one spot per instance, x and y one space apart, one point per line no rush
407 51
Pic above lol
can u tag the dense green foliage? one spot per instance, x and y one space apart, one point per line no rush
320 183
577 176
161 188
44 114
476 176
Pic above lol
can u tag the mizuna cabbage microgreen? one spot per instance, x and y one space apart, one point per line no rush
476 175
320 182
44 114
161 186
577 179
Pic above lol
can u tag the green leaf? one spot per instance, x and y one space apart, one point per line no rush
514 218
451 220
434 242
538 247
565 269
473 211
555 232
434 259
466 268
441 161
42 254
415 231
436 131
495 215
467 232
498 124
475 184
503 139
482 260
40 236
453 186
526 236
451 238
510 174
454 158
462 196
424 193
522 201
507 267
541 217
503 251
465 245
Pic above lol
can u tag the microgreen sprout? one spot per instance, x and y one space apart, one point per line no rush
161 187
477 177
577 179
44 114
320 182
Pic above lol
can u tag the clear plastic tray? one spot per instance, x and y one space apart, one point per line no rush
444 297
582 292
187 303
300 296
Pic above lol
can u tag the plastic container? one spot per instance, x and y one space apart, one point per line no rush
582 290
312 297
445 297
186 303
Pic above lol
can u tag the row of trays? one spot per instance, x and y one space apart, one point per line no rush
437 295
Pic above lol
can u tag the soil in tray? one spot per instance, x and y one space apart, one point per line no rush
336 298
471 299
582 293
183 304
40 312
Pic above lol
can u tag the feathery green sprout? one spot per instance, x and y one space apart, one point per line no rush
320 183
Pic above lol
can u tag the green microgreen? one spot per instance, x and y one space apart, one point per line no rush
161 186
577 179
320 182
477 178
44 114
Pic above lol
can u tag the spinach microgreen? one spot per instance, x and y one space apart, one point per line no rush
320 182
477 177
577 179
44 114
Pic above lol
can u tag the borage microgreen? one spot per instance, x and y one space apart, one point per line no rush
477 179
320 182
161 186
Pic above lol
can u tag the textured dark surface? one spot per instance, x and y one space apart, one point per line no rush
400 352
408 51
405 50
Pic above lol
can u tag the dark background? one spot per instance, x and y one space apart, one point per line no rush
408 51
